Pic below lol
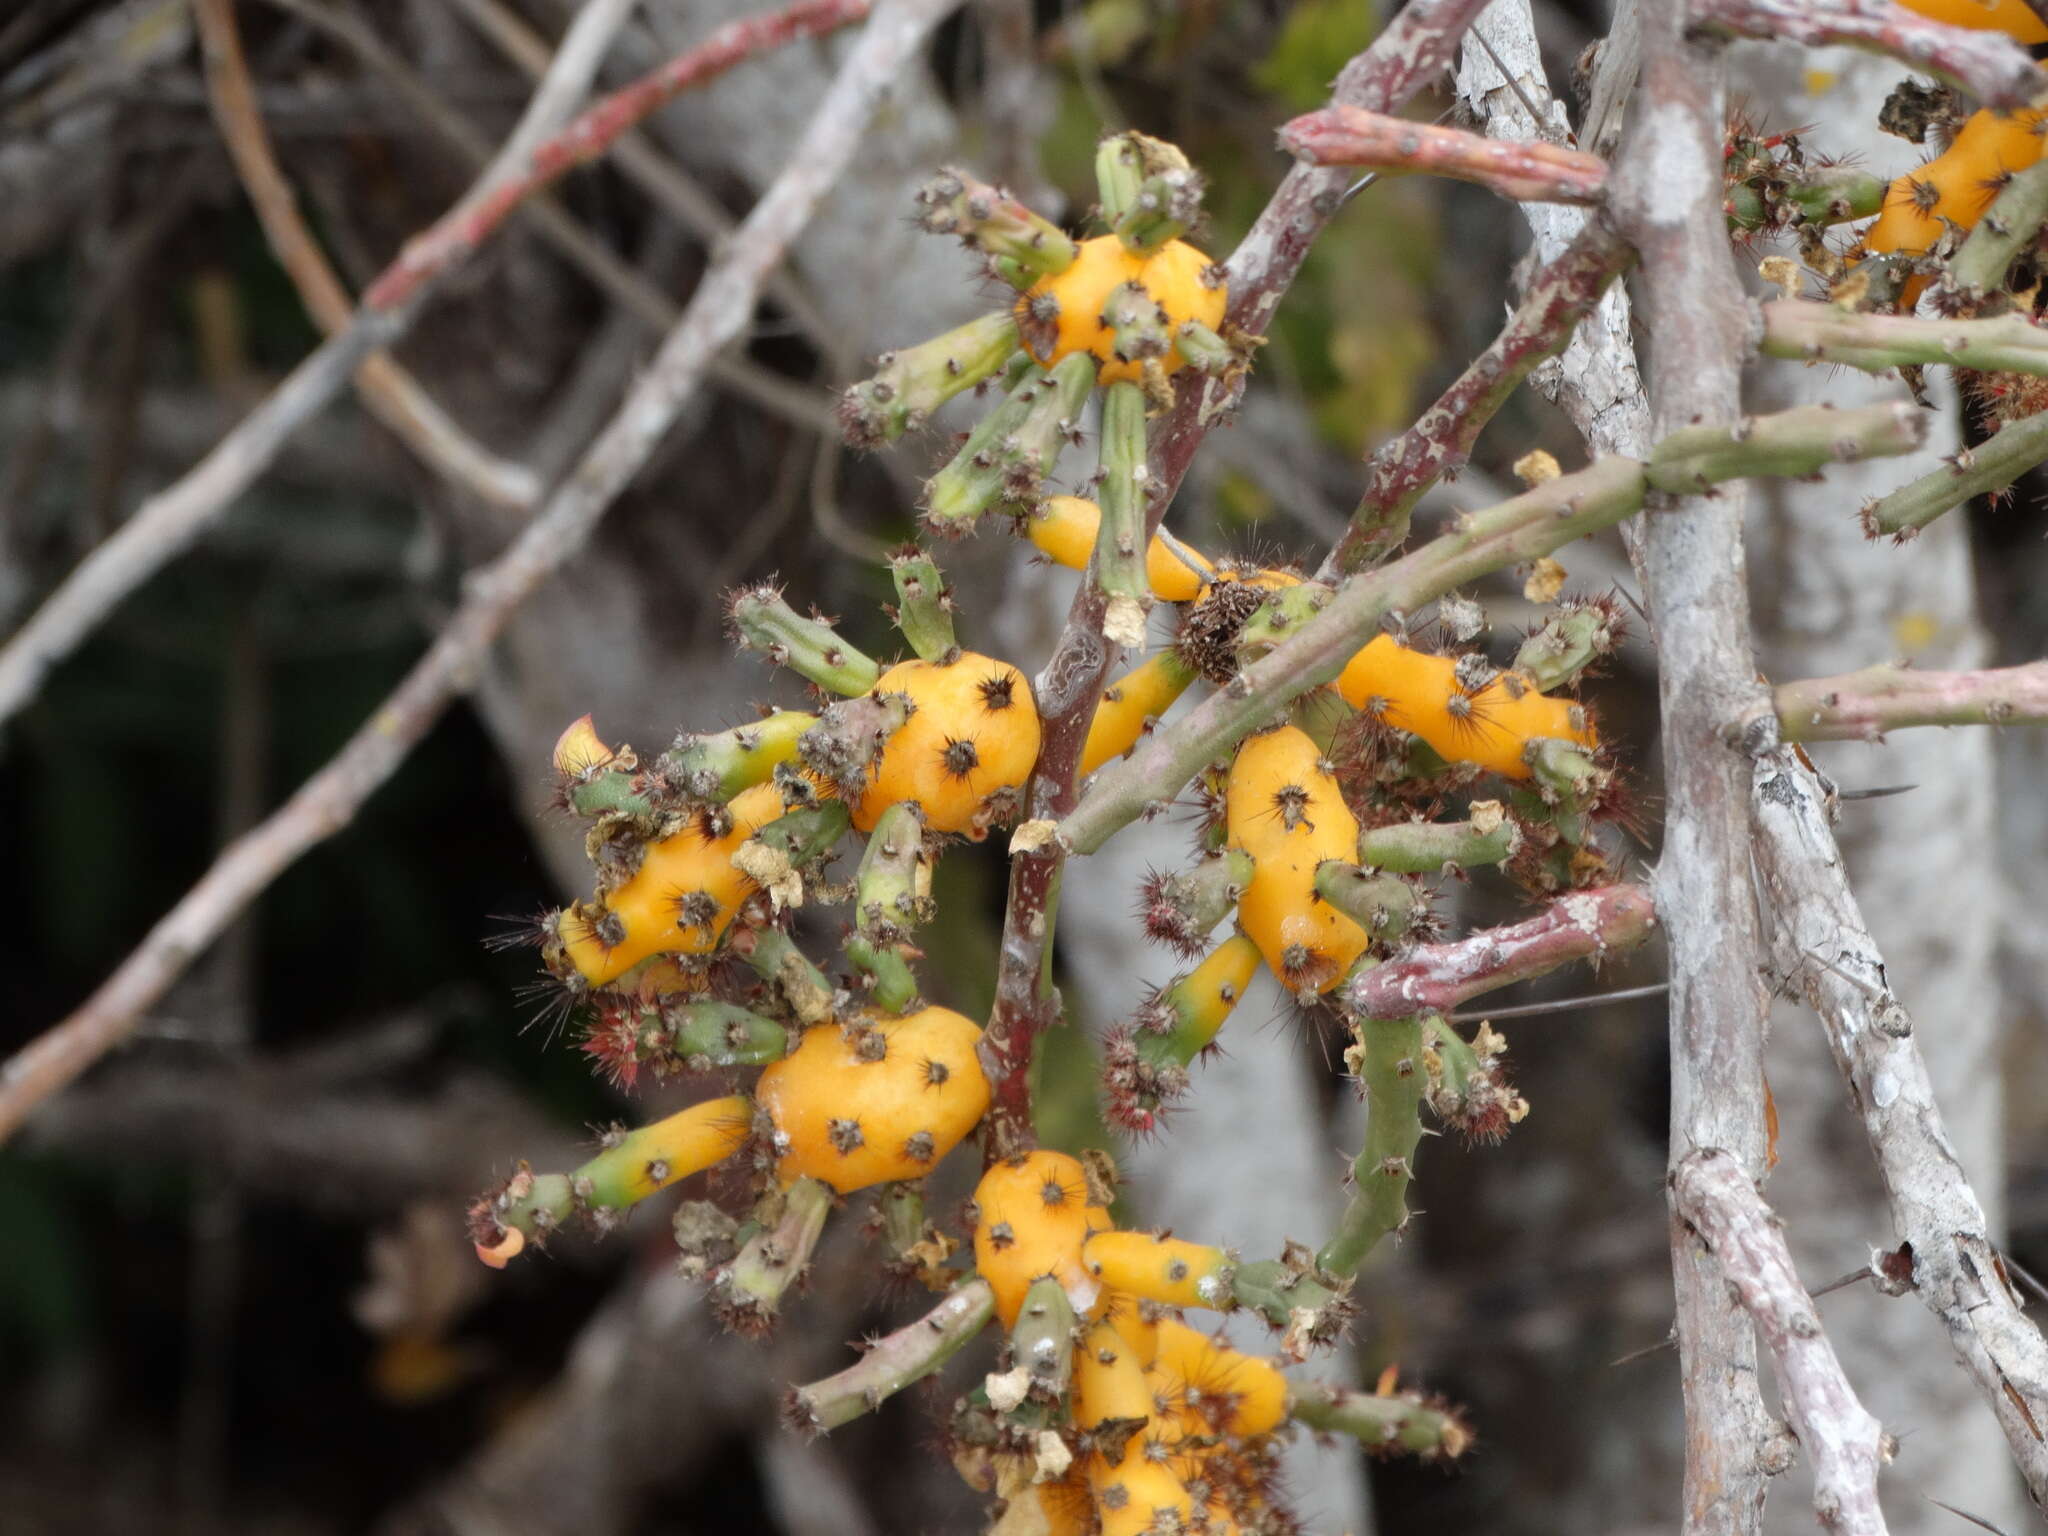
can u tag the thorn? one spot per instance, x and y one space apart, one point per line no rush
1562 1004
1842 1283
1669 1341
1874 794
1537 125
1963 1514
2026 1276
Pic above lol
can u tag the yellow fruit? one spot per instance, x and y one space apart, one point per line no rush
1168 1270
1489 726
974 732
679 901
1229 1392
1957 185
2015 18
1061 315
1031 1217
656 1156
1283 808
1140 1495
1064 530
1139 1331
1109 1379
866 1106
1144 693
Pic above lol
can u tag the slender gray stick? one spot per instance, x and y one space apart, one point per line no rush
1668 196
1945 1253
1843 1443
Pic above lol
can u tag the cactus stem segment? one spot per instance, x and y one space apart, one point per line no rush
716 767
909 385
1021 243
924 604
1488 836
774 957
764 622
892 896
1388 1059
1382 904
897 1361
1012 449
1120 542
1390 1424
1042 1344
747 1293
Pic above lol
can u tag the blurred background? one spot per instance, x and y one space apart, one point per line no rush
235 1296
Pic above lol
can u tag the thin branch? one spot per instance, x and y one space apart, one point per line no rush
1668 198
1845 1446
1946 1254
1435 978
718 311
1989 65
1821 333
1414 48
1862 706
1522 170
1984 470
1540 520
892 1363
168 522
393 395
1400 472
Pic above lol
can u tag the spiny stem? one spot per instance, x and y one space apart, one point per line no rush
1818 195
1991 466
1401 1421
2008 227
1862 706
1390 1071
748 1292
924 604
906 1356
1120 542
763 621
1542 519
1822 333
1428 847
890 900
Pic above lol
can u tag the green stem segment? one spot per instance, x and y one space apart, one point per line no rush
719 766
1390 1070
924 604
1398 1422
1818 196
774 957
1489 836
1007 456
1382 904
999 226
1822 333
1120 542
2008 227
1863 706
748 1292
891 897
1043 1340
901 1359
1988 468
909 385
1568 642
812 648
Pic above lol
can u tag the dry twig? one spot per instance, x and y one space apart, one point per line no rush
1846 1446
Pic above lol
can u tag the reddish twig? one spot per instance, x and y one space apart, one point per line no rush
1416 46
1989 65
392 394
1862 706
1435 978
718 311
1523 170
169 521
1844 1444
1400 471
